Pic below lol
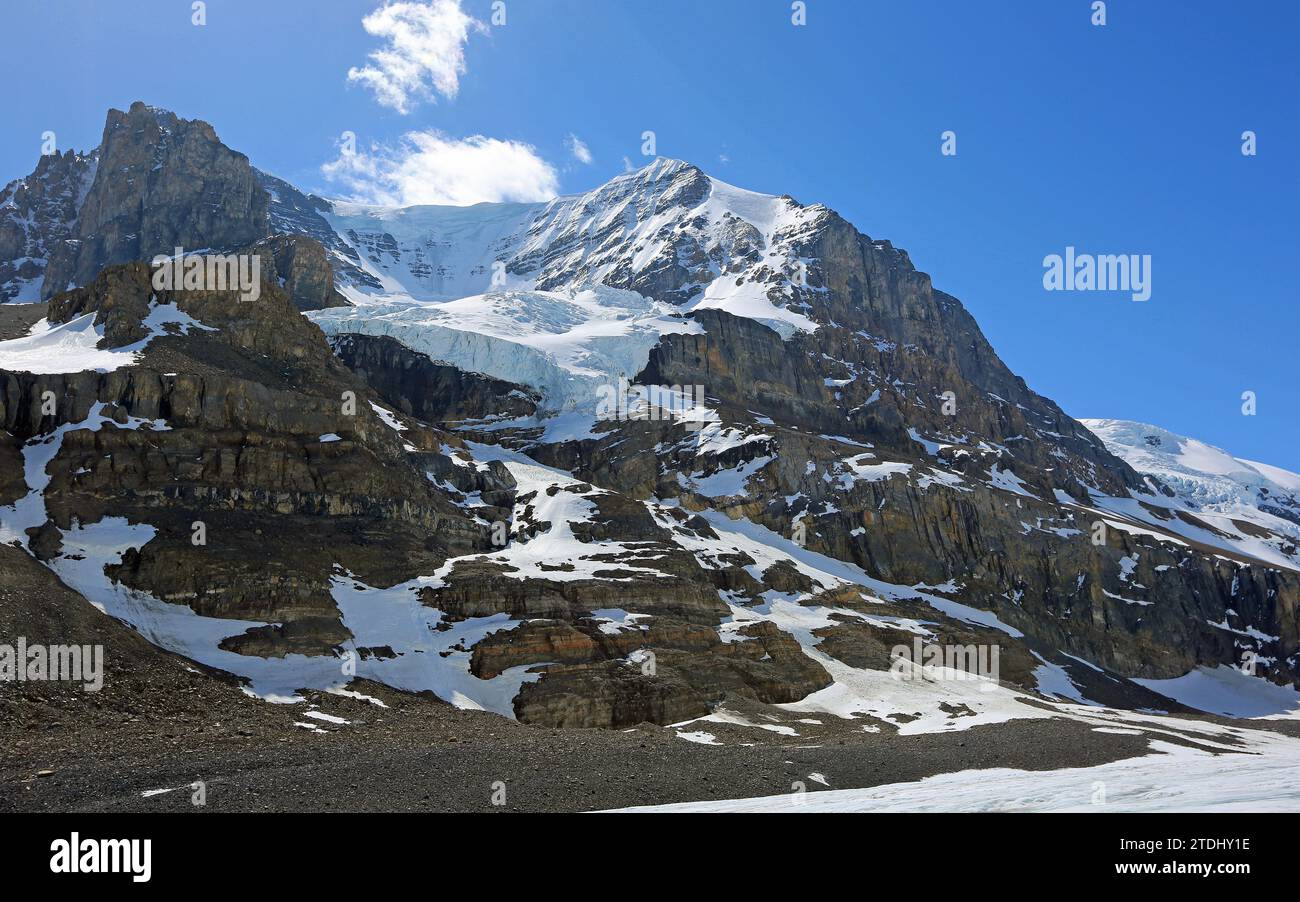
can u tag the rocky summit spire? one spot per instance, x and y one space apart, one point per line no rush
163 182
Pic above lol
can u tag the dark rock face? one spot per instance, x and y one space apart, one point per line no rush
937 346
38 214
166 183
686 681
302 268
869 388
741 361
247 404
162 183
868 377
428 391
1027 558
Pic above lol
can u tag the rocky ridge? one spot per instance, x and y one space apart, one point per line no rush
38 214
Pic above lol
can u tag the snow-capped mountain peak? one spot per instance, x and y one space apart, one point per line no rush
1193 468
667 230
829 426
584 267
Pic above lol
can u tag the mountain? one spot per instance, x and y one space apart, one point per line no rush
667 450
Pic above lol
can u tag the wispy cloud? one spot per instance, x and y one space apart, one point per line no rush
424 53
581 152
429 167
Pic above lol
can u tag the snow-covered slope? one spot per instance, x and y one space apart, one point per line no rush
432 253
1203 473
555 296
1221 490
73 347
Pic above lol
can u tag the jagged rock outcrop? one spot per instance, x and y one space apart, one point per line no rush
166 183
293 213
303 270
162 182
688 681
37 214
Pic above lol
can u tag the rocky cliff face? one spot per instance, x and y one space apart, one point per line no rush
429 391
302 268
252 428
38 214
853 467
167 183
163 182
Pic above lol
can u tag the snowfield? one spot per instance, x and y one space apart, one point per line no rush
1192 766
73 346
1173 778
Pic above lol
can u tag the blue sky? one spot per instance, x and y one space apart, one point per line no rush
1116 139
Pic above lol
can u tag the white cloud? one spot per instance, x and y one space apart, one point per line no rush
425 52
581 152
432 168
